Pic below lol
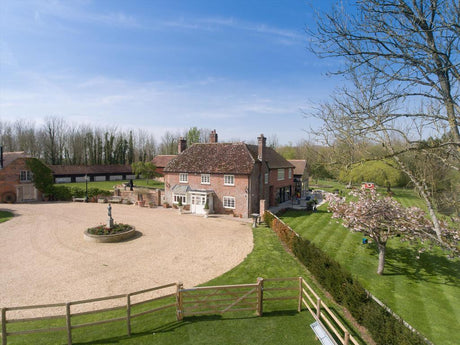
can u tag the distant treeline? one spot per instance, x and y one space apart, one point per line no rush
60 142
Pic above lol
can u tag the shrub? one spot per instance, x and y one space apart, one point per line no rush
346 290
95 192
77 192
104 230
61 193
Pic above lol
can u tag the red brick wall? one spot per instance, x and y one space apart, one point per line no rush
273 181
9 176
238 191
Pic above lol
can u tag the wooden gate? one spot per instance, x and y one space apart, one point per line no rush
218 299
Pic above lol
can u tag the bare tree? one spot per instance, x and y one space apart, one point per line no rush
359 113
412 46
53 135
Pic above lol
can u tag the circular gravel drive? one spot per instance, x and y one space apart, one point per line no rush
44 258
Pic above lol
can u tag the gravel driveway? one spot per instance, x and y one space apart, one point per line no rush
44 258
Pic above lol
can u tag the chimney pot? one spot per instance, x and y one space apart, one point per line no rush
213 136
262 142
182 145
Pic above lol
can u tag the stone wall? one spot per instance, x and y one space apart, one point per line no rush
147 195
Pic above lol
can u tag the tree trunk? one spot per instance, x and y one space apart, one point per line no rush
382 248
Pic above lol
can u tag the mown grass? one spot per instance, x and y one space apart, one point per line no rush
281 324
5 215
425 292
108 185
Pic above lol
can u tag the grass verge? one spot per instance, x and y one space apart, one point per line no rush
425 292
5 215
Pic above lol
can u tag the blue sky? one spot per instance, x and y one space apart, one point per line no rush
240 67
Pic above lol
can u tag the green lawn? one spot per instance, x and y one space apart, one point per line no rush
108 185
425 292
281 324
5 215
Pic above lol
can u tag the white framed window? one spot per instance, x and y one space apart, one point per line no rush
266 178
229 202
25 176
183 177
198 200
290 173
280 174
229 180
177 197
205 178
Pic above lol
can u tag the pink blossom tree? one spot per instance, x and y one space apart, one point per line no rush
381 218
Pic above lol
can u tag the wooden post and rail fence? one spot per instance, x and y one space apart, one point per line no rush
205 300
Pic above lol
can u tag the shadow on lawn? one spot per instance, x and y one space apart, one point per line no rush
167 327
172 326
430 267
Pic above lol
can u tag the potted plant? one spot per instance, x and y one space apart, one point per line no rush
180 205
206 208
165 204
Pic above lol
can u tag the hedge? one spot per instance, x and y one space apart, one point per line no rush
346 290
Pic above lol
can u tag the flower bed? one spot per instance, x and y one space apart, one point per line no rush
101 233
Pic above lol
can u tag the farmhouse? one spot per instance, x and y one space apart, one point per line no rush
16 179
230 178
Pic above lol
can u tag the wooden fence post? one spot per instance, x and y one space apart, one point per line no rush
260 296
4 326
68 323
318 309
346 338
299 306
179 302
128 313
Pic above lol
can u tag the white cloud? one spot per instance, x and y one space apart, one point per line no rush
283 36
215 103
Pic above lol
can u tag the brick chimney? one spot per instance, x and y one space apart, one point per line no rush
213 136
182 145
262 142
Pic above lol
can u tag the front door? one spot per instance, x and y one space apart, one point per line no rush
28 192
197 203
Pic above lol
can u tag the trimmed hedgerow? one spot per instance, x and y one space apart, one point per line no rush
61 193
345 289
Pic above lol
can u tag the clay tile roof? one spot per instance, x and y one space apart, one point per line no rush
9 157
161 161
272 158
299 166
90 169
224 158
213 158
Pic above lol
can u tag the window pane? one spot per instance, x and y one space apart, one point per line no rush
205 178
280 174
229 202
183 177
229 180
